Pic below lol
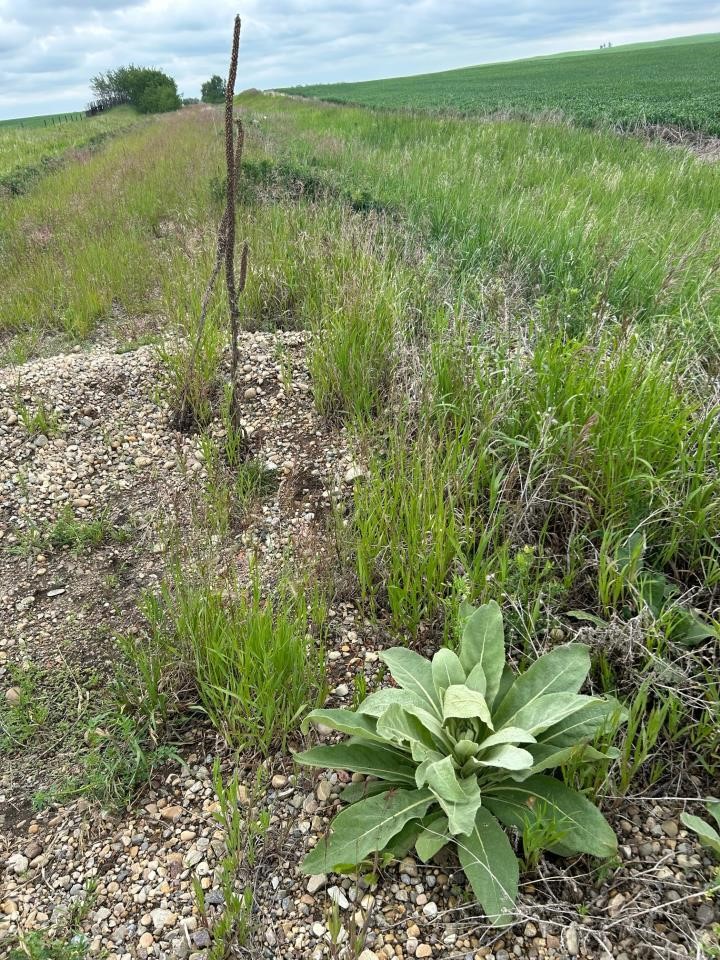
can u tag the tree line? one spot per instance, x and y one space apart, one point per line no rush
147 89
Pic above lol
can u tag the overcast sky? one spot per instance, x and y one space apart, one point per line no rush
49 49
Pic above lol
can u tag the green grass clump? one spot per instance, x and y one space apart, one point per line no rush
630 86
251 664
41 945
74 533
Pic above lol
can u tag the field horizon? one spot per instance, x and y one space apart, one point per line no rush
673 82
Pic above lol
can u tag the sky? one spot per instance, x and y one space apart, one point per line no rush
50 49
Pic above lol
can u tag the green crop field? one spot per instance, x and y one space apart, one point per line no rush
44 120
30 147
669 83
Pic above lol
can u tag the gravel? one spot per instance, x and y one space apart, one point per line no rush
129 875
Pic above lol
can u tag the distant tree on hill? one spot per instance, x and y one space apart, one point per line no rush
147 89
213 90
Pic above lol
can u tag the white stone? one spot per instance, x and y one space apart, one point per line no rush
18 863
337 895
316 882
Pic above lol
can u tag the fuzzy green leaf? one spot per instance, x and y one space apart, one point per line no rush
397 725
460 799
446 670
344 721
403 842
363 789
461 702
583 724
464 749
507 757
713 808
434 836
375 704
708 836
548 710
584 829
413 673
491 867
507 735
563 670
371 759
483 642
476 680
366 827
546 756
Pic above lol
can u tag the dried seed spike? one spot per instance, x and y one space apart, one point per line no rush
243 268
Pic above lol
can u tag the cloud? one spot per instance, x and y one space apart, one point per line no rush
50 50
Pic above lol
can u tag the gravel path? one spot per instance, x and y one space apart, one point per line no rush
126 879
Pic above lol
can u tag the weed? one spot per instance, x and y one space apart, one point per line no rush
543 833
73 533
40 945
244 836
121 759
23 711
646 720
251 664
193 387
233 478
285 362
40 421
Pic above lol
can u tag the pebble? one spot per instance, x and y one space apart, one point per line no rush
337 895
18 863
162 918
324 789
571 940
316 882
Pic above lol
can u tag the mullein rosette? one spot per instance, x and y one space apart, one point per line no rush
459 750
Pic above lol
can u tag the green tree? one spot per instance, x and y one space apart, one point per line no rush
159 98
148 89
213 90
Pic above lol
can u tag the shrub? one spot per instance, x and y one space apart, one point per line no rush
461 748
146 88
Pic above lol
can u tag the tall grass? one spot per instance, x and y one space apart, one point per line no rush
108 235
596 225
29 148
548 450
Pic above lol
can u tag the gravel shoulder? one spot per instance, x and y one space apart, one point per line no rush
125 879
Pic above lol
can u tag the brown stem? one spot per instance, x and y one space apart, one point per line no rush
232 157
